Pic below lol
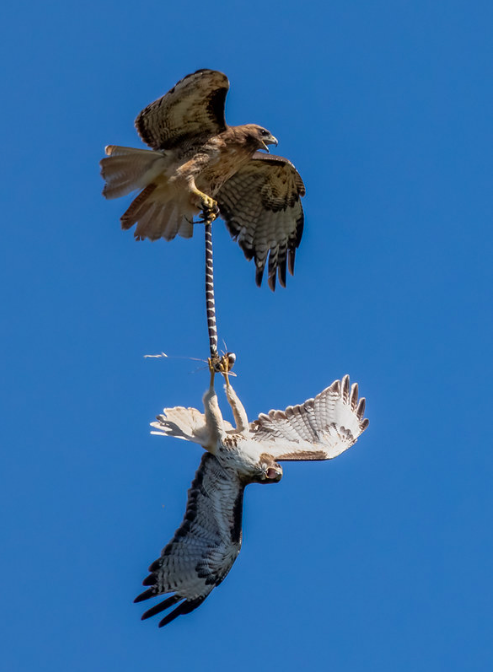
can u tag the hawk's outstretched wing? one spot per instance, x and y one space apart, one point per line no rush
261 205
192 111
319 429
205 545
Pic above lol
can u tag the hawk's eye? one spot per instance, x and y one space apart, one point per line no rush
264 132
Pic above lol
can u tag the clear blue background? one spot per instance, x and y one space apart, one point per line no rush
379 560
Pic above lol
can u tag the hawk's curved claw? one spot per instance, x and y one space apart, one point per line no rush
207 203
227 362
213 363
209 214
222 364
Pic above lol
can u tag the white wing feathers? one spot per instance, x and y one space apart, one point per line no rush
319 429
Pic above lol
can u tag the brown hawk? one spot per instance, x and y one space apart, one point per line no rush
199 165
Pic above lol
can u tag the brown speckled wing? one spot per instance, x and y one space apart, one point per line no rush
191 112
261 205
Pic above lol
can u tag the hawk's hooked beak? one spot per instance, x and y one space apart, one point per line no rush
269 472
274 473
269 140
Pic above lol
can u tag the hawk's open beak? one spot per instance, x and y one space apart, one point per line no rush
274 473
270 140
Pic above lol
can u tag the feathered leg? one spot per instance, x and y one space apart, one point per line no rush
237 407
213 416
198 199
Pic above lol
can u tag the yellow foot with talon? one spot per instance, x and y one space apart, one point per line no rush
222 364
209 210
214 362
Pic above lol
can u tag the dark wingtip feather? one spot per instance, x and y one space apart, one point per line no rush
145 595
149 580
153 567
291 258
271 281
170 617
282 272
259 274
158 608
184 608
364 424
247 251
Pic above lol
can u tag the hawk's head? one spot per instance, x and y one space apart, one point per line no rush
259 137
269 471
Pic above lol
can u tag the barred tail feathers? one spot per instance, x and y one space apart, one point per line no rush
182 423
156 218
126 169
155 212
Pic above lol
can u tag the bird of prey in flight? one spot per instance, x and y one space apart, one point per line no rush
198 165
208 540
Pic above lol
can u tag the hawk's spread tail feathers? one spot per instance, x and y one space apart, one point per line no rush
126 169
157 215
182 423
185 423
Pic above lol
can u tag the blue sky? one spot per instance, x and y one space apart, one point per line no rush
380 559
